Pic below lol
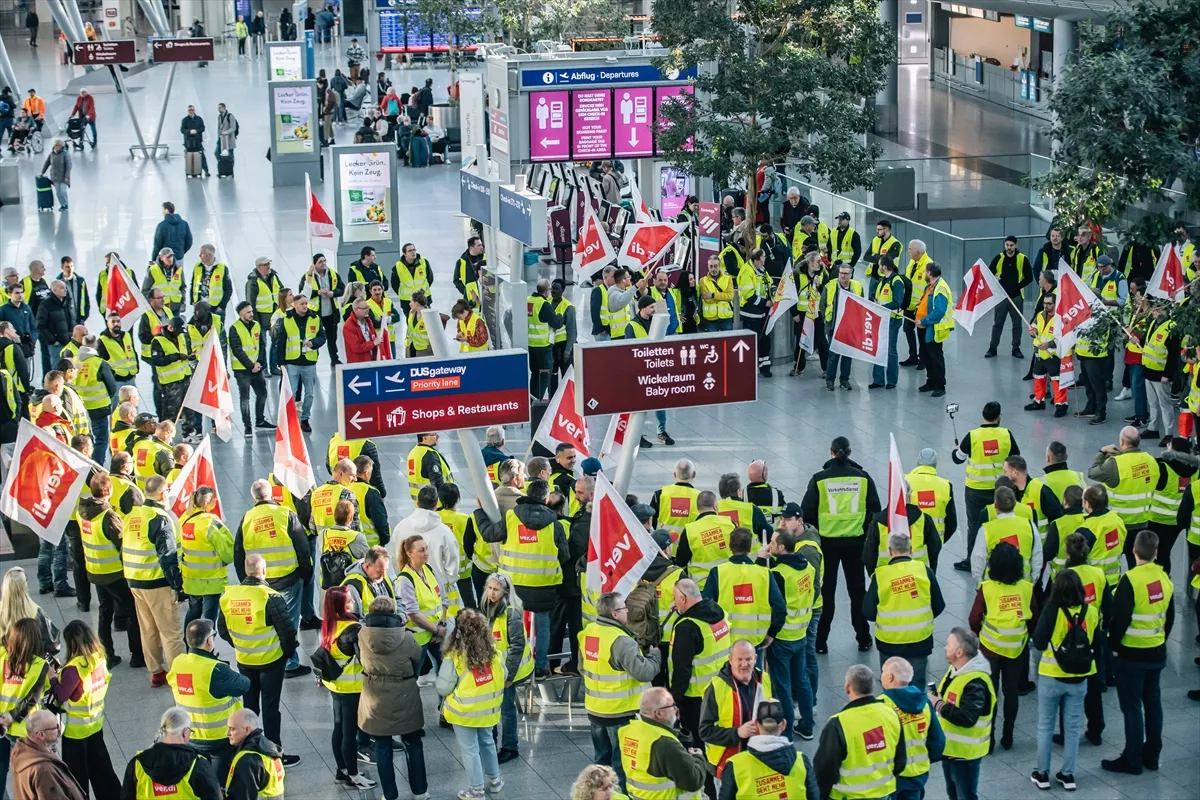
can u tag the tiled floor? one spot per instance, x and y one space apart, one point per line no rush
115 204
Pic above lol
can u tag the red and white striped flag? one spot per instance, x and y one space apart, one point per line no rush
897 508
593 250
292 466
615 440
561 422
208 393
1168 279
981 293
784 300
641 213
43 482
619 547
320 225
197 472
1072 309
124 297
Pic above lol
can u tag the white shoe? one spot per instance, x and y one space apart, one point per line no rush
495 786
362 781
1124 395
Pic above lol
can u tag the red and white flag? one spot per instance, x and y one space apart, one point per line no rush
1072 309
897 508
208 393
124 296
615 439
197 472
646 243
785 300
320 225
561 422
1168 279
981 293
593 250
1066 371
641 212
619 547
292 466
43 483
860 329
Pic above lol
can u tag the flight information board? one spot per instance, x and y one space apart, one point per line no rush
391 31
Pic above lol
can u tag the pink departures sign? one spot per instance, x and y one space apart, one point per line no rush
671 94
549 134
591 123
633 117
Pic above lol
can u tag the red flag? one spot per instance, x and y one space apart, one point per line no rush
860 329
561 422
619 547
897 501
785 300
981 293
320 225
640 212
1168 279
1066 371
292 466
208 393
593 250
197 472
43 483
1072 309
645 244
124 298
615 438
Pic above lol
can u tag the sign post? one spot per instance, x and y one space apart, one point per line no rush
100 54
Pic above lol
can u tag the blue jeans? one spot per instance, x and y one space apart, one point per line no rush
892 373
910 788
606 750
710 325
1051 692
203 605
51 353
812 669
785 660
478 754
831 368
52 557
1138 691
304 376
508 720
541 639
1137 386
99 423
962 778
60 189
661 418
291 596
414 751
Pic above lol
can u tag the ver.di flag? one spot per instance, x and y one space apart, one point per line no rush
619 547
593 250
641 213
646 243
562 423
1066 371
292 466
981 293
197 472
897 508
43 483
860 329
124 297
320 225
1168 279
208 393
615 439
784 300
1072 309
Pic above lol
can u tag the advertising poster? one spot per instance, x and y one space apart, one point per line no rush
366 200
671 94
293 110
674 187
633 119
591 124
548 132
287 63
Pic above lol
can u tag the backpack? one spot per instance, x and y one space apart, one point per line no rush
907 291
325 665
334 566
1074 654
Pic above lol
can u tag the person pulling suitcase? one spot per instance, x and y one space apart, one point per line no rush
192 128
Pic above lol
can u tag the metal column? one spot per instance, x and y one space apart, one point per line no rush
154 13
72 9
658 332
887 103
6 71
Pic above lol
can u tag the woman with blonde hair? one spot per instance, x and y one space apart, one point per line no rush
16 604
355 290
471 680
503 611
596 782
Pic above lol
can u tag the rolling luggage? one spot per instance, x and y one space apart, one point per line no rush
225 165
193 164
45 193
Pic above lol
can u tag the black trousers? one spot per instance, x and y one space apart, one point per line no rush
115 598
1095 383
846 551
915 338
1006 678
757 324
1008 311
1167 533
266 685
89 761
820 344
83 589
934 359
332 325
247 380
567 620
478 578
560 360
466 588
345 731
976 501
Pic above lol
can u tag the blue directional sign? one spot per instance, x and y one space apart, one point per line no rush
418 395
606 75
475 196
523 216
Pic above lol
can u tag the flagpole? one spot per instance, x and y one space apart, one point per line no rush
658 332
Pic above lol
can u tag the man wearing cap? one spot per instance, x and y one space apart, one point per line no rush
933 494
262 291
807 229
298 338
591 467
1014 272
170 356
770 761
845 245
164 273
862 748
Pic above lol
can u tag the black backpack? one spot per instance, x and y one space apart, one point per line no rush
334 566
1074 654
907 292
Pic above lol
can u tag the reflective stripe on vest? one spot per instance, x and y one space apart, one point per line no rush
429 601
1007 612
530 557
1138 474
265 532
635 740
539 332
989 447
500 635
712 656
293 348
841 506
905 615
676 507
139 557
1109 531
272 766
798 597
743 593
608 692
244 607
916 730
708 539
190 680
975 741
100 555
197 557
248 336
475 701
1152 591
85 716
1048 664
1015 530
177 370
351 679
872 732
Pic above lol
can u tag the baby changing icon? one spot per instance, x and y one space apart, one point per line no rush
709 382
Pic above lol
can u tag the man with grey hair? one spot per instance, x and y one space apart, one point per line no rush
211 282
598 304
923 737
675 504
164 273
865 774
257 768
889 292
1128 472
543 321
903 600
511 476
172 760
652 754
151 564
1014 272
262 291
965 701
933 494
915 271
700 646
493 451
55 321
37 770
727 710
214 699
794 208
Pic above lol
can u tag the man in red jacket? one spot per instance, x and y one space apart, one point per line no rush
358 331
86 104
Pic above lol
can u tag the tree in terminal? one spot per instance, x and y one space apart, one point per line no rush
775 81
526 22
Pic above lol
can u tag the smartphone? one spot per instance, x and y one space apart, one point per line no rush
931 687
951 408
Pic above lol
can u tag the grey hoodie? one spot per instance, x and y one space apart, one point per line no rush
778 753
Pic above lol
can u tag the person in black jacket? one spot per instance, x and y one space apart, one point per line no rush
916 653
171 760
55 321
832 749
976 700
192 128
687 645
112 591
772 745
250 774
248 372
223 682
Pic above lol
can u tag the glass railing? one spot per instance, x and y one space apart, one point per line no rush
1174 203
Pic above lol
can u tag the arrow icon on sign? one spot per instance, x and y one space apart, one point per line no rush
355 384
741 348
633 137
358 419
547 142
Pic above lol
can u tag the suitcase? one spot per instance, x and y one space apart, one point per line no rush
192 164
419 152
45 193
225 165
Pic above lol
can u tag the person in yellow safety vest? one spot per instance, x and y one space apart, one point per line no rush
1143 613
744 514
210 281
165 274
903 600
1188 518
369 578
699 647
1109 284
769 768
883 244
804 233
117 348
1158 366
704 542
249 374
716 298
1105 531
152 455
1003 616
497 602
1082 258
365 269
325 497
1054 551
840 502
655 763
829 303
180 453
262 292
726 711
471 331
372 519
603 320
209 690
152 322
97 387
1131 475
420 593
71 348
965 701
84 679
765 497
862 749
467 269
1014 528
257 769
100 527
425 465
933 315
542 321
174 767
339 448
1034 493
923 736
753 600
672 298
297 338
1185 248
1046 362
339 637
205 550
922 532
60 382
919 279
563 338
933 494
675 504
889 292
13 359
110 259
755 292
493 451
983 449
170 358
411 274
463 526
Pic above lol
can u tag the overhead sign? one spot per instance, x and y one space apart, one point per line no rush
1042 25
633 134
679 372
585 76
167 50
475 196
419 395
523 216
1022 21
549 136
591 124
114 51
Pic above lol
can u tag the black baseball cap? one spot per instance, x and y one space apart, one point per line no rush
791 511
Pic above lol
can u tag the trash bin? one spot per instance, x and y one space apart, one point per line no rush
10 182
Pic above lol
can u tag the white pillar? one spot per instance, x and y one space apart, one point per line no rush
1066 41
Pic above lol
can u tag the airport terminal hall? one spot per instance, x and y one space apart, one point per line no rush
599 399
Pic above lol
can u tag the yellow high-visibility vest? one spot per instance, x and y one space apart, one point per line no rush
475 701
608 691
245 607
190 680
872 733
530 557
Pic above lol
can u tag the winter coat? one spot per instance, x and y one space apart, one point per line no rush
249 776
175 233
910 700
227 126
974 700
168 764
688 643
55 319
390 703
39 774
58 164
534 516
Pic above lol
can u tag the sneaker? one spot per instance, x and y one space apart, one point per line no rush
362 782
1067 781
506 755
1148 434
289 761
1060 410
1125 394
158 679
471 794
806 735
365 757
266 426
1036 405
541 674
64 591
249 432
846 385
342 777
829 386
304 426
864 647
1040 779
991 353
963 566
665 438
297 672
822 649
645 444
495 785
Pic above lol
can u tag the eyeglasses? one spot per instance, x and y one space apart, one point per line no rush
664 708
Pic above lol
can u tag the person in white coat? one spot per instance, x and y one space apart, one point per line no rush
443 547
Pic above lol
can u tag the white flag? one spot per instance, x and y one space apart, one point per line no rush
562 423
615 440
640 212
208 393
292 466
981 293
619 547
860 329
593 250
785 300
43 483
1073 308
897 508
